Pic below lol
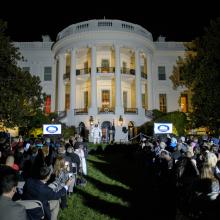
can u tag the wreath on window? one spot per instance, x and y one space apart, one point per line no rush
106 109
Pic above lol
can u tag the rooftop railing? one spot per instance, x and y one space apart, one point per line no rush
98 25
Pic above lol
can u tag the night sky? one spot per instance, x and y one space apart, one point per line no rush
179 21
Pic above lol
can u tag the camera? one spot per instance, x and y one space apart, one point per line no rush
70 175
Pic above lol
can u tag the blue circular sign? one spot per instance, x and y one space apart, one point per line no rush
163 128
52 129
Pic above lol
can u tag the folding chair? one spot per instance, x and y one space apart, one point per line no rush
34 208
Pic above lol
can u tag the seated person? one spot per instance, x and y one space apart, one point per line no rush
8 183
37 189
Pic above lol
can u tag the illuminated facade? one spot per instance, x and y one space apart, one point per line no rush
105 70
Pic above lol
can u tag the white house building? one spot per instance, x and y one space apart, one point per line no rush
107 72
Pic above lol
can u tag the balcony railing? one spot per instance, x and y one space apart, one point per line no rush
130 110
127 71
61 115
105 69
106 110
66 76
144 75
83 71
80 111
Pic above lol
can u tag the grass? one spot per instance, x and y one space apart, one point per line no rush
105 196
120 186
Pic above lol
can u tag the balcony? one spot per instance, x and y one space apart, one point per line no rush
131 111
105 69
83 71
81 111
66 76
106 110
144 75
128 71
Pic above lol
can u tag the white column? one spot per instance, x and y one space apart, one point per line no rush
54 81
61 86
149 82
118 105
73 80
138 81
93 109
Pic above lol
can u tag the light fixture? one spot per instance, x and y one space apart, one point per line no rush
91 120
120 120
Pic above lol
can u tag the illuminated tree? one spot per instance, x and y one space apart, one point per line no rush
20 92
199 71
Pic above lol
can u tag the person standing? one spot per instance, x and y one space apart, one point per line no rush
96 134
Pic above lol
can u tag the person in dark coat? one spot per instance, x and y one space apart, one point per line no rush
8 183
37 189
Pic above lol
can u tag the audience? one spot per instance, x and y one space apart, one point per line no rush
9 209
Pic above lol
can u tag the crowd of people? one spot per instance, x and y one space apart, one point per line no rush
186 170
41 170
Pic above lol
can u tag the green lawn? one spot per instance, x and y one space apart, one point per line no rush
106 195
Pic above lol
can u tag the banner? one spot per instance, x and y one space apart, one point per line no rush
52 129
163 128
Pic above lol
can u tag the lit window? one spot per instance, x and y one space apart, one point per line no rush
48 104
86 99
67 101
105 65
105 98
184 103
125 99
163 102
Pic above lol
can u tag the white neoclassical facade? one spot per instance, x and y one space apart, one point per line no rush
100 71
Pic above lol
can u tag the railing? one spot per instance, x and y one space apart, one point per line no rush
144 75
66 76
127 71
99 25
130 110
106 110
83 71
80 111
61 115
105 69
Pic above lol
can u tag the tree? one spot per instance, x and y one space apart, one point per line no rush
20 92
199 71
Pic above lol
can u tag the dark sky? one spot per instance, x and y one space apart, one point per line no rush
177 21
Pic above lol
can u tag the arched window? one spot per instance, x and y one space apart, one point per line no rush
82 129
131 130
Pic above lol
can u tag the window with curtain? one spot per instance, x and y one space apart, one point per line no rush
161 73
48 104
163 102
47 73
105 98
184 103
